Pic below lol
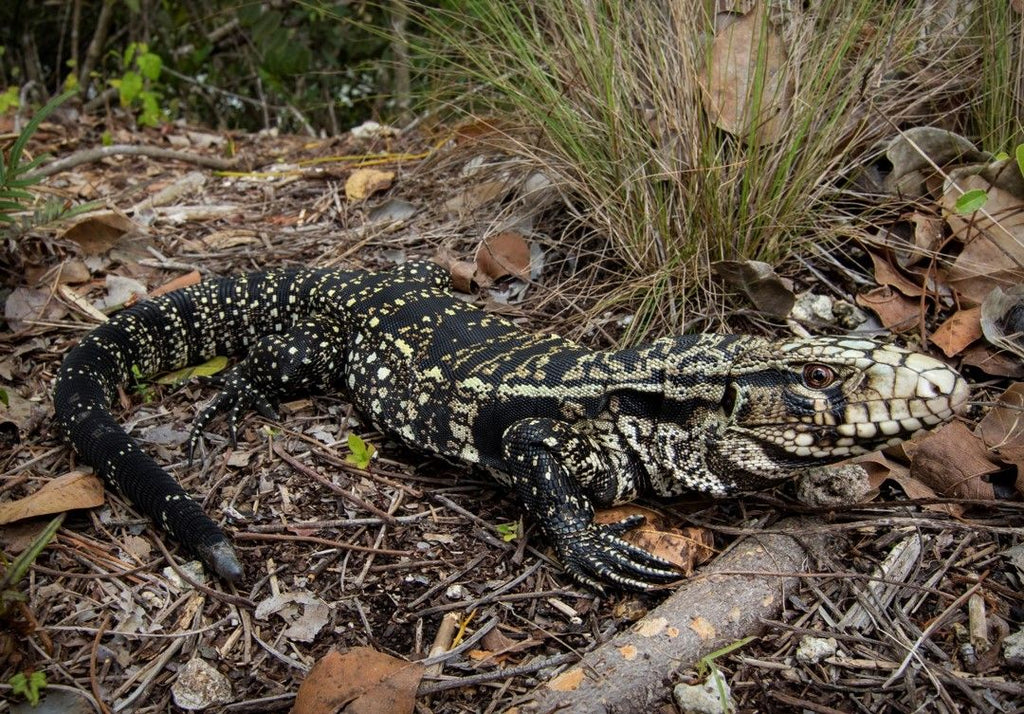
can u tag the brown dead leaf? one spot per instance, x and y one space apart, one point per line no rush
881 468
363 183
896 311
1003 426
99 231
66 493
961 329
685 548
928 235
476 196
993 252
887 274
182 281
953 461
25 305
502 255
993 361
464 276
360 681
1002 319
20 411
749 58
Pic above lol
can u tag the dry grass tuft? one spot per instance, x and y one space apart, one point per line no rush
608 99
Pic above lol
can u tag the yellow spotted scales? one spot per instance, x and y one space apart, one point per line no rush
566 428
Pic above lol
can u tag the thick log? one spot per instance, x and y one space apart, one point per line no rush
634 670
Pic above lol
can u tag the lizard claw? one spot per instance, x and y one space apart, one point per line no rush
238 395
597 553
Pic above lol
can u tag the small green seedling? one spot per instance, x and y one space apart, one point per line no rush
508 531
362 451
706 667
28 686
140 386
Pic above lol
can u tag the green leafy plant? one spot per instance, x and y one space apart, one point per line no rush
138 87
16 176
971 201
9 100
508 531
140 386
362 451
14 613
28 686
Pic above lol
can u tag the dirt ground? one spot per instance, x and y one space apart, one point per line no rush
338 556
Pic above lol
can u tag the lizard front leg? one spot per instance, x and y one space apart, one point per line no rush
554 470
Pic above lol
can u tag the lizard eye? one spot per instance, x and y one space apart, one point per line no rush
818 376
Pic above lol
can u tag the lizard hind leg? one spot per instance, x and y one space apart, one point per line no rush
307 357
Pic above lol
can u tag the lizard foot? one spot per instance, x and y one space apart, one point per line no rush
239 394
597 553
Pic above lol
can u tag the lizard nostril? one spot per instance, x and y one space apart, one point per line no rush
729 400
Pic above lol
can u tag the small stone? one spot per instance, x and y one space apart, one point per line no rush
193 569
815 649
832 486
1013 649
199 686
455 592
848 315
812 308
704 698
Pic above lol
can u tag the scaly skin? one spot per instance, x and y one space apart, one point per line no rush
565 427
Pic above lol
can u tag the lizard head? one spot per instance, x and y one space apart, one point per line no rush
773 407
791 402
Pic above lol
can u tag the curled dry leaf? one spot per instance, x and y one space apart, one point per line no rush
1002 319
928 234
758 281
69 492
503 255
748 60
993 361
887 274
362 183
360 681
25 305
464 277
1002 430
99 231
914 152
880 468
